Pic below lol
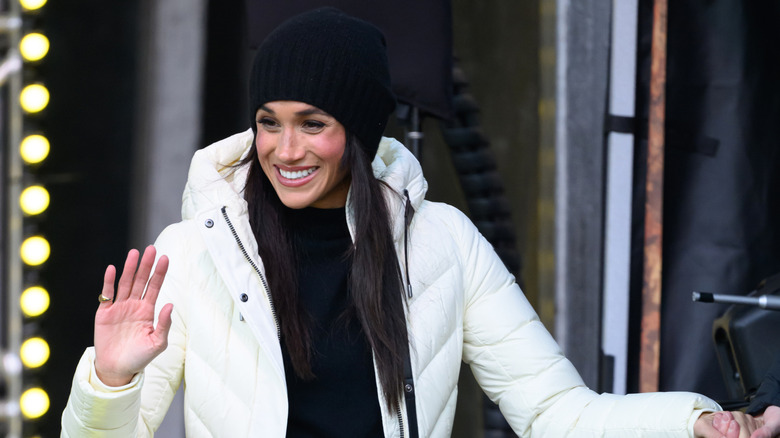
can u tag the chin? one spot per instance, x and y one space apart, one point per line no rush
294 203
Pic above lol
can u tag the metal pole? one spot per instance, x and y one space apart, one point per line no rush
651 289
414 136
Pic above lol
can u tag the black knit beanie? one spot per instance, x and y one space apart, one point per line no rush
330 60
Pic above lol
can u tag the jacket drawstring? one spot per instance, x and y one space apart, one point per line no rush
408 214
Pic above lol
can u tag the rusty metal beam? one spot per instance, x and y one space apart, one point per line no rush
651 289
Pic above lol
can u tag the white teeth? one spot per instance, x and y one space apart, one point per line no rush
297 174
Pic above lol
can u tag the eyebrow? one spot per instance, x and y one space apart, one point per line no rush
266 109
306 112
310 111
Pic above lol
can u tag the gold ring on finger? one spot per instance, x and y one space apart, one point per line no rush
102 298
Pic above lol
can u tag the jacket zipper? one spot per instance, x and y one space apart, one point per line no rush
400 418
257 270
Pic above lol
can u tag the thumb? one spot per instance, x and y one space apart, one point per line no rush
164 325
762 432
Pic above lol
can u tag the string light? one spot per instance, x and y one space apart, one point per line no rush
34 200
34 149
34 402
35 250
34 98
34 301
34 46
34 352
32 5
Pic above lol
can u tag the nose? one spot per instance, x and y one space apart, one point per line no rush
290 148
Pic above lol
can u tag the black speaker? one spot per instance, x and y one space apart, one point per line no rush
747 340
418 35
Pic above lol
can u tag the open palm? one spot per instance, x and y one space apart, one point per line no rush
125 337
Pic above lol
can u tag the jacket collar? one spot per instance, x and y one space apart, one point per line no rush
214 178
397 167
215 181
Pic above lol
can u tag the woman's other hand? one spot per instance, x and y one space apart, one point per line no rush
125 337
734 424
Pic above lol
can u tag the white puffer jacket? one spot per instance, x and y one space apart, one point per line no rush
466 307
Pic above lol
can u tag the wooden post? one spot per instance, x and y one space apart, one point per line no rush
651 289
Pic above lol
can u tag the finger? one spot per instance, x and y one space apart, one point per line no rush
703 428
164 326
155 284
126 279
734 430
720 421
142 275
108 283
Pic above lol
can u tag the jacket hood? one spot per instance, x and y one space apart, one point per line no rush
216 180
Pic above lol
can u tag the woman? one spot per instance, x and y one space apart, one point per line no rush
311 291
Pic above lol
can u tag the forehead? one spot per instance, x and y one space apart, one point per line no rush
291 107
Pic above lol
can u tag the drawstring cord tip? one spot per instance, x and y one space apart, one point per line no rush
408 213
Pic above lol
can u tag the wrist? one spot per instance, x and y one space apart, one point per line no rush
112 379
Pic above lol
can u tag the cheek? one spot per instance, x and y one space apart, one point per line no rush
332 148
264 150
261 145
332 155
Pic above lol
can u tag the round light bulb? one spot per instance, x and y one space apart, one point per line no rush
32 5
34 402
34 149
34 352
34 46
34 301
34 98
34 200
35 250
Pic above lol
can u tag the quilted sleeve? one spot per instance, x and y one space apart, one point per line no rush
138 408
521 368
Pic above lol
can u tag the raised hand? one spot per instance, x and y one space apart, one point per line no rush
125 337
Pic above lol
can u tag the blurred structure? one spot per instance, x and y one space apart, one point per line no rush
721 180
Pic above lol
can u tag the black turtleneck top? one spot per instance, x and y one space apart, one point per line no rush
341 401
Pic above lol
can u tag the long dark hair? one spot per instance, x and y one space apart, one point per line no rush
376 286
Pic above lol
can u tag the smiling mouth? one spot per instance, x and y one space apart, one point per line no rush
297 174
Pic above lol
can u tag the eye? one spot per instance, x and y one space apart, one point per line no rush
268 123
313 125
